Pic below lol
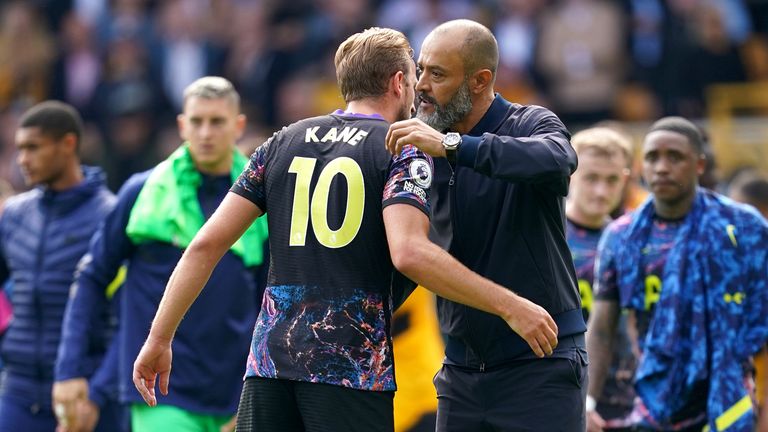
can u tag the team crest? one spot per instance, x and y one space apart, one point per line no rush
421 173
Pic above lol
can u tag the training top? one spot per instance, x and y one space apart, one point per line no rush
327 308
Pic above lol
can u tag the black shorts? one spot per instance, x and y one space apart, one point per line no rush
286 406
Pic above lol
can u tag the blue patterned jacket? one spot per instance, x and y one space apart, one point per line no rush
711 314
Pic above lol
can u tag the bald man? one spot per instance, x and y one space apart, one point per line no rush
501 175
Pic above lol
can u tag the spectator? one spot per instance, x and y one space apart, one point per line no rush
26 54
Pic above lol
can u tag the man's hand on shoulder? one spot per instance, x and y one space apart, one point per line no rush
418 134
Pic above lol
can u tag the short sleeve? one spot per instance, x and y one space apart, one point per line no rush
250 184
409 179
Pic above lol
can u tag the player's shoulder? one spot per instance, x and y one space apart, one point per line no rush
746 217
335 119
619 226
20 203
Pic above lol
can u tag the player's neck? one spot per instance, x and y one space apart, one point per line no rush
68 179
370 106
584 220
480 106
673 210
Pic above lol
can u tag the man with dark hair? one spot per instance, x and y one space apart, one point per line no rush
157 214
322 340
502 173
691 269
43 234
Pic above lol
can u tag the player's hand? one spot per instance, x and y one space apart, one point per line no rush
595 423
66 395
86 414
533 324
154 359
418 134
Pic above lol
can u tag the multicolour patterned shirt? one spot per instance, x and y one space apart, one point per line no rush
654 254
654 258
327 307
582 242
618 395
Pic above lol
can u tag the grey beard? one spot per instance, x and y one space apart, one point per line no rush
453 112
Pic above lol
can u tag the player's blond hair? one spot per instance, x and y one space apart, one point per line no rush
367 60
212 87
606 142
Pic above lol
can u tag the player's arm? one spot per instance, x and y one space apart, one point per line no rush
601 333
541 155
603 321
230 220
430 266
88 301
237 211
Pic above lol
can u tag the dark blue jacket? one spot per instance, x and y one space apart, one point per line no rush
501 213
211 345
43 235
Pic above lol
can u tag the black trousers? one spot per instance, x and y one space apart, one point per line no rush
526 395
293 406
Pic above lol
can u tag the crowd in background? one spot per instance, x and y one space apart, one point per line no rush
124 63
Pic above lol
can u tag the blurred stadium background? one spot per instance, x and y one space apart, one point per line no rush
124 64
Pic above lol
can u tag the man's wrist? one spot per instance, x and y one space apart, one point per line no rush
591 404
451 143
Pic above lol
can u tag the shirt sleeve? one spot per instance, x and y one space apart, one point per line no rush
88 302
409 179
104 383
250 184
535 149
606 286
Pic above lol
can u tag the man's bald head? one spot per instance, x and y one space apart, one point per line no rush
478 46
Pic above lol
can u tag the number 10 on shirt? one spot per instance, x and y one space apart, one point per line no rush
353 215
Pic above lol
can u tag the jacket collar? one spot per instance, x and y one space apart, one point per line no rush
493 118
66 200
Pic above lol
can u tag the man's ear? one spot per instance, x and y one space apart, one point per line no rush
701 164
180 125
480 81
240 123
396 83
69 140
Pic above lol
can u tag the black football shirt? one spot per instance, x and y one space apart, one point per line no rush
324 182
